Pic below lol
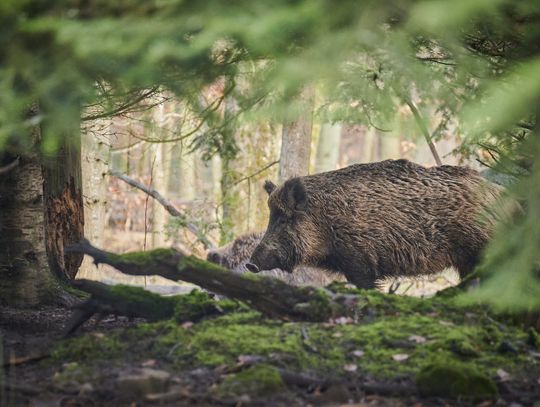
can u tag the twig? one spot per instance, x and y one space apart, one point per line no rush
388 389
122 108
394 287
20 388
436 60
256 172
169 207
423 128
10 166
23 360
125 149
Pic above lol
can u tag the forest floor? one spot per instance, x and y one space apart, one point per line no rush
399 351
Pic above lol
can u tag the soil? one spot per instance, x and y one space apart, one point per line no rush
33 333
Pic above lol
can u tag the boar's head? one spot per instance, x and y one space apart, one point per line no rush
292 236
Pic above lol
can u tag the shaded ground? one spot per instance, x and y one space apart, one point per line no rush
241 358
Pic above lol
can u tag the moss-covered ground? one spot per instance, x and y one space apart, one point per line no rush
434 342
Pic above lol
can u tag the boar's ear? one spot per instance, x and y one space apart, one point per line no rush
296 197
269 186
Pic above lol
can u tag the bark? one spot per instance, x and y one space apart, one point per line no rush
270 296
40 211
389 146
24 272
95 158
328 147
205 187
296 141
228 195
64 213
160 181
370 138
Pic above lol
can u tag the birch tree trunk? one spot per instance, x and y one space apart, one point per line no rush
41 212
328 147
296 141
95 158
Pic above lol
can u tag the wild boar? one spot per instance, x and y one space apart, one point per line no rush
236 255
375 221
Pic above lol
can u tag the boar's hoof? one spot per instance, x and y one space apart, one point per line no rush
252 267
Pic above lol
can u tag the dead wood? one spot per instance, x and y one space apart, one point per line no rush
267 295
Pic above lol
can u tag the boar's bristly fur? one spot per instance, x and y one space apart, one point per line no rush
379 220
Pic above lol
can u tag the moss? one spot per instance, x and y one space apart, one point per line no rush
260 380
533 338
197 263
74 373
455 380
461 344
139 298
319 307
194 306
89 347
450 335
145 258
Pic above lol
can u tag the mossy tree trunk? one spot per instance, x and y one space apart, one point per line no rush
41 211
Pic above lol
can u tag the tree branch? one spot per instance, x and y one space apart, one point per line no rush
423 128
257 172
7 168
122 108
169 207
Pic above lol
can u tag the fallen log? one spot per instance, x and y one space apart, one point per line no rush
136 302
270 296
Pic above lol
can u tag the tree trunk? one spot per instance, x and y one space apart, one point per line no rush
328 147
41 212
160 183
296 141
95 158
64 214
228 195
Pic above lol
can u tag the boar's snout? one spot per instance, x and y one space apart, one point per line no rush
217 258
264 259
252 267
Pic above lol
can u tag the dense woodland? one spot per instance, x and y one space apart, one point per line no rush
135 142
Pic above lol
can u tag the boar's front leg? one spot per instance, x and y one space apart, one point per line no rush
356 271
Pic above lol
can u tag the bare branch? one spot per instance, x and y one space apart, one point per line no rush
122 108
423 128
257 172
169 207
10 166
